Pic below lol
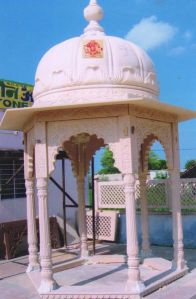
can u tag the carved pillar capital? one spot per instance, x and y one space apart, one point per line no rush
29 184
129 180
42 185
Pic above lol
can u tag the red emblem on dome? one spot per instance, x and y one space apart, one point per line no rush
93 49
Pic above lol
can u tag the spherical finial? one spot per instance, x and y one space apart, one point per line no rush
93 13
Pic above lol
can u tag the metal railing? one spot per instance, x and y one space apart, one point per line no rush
12 183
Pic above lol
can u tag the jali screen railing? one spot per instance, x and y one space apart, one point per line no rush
110 194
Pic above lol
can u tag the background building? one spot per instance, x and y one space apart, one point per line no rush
12 185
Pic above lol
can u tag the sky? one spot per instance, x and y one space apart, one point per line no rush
166 29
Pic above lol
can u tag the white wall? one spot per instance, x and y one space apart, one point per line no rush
55 195
12 209
153 173
10 139
15 209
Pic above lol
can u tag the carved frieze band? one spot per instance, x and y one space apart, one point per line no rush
85 296
105 111
83 113
102 94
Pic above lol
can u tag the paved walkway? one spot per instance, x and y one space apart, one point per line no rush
184 288
15 284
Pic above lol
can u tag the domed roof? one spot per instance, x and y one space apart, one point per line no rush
94 68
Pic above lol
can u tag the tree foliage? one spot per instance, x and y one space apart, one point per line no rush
155 162
107 163
161 175
190 163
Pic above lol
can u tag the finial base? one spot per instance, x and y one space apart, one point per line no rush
93 13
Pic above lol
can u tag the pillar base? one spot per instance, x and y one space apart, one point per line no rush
180 265
135 287
146 253
84 253
33 268
47 286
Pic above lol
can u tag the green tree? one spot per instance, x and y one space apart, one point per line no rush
190 163
107 162
155 162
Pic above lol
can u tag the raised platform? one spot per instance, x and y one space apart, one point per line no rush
105 277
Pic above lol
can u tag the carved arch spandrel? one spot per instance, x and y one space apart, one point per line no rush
149 131
29 160
80 149
59 132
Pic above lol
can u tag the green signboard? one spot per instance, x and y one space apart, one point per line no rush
15 94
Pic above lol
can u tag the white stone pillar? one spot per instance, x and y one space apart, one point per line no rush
31 226
146 250
47 282
178 261
82 217
134 284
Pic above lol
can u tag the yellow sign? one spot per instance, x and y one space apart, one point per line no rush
15 95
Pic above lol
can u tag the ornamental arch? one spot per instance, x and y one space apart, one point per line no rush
145 150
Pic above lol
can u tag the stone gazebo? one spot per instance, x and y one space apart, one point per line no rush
91 91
